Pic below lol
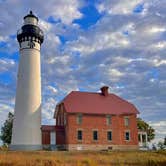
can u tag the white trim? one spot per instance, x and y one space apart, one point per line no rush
129 135
126 123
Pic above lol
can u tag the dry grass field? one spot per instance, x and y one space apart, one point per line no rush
87 158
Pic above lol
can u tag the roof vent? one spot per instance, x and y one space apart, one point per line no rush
104 90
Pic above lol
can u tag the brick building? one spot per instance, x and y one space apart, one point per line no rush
88 121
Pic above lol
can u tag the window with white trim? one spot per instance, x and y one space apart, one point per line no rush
79 119
127 135
58 119
108 119
109 135
126 121
95 135
64 118
79 135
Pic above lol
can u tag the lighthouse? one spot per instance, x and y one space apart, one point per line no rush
26 132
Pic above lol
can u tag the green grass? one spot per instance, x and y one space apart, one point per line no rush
86 158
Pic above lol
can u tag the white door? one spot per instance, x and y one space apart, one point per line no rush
53 138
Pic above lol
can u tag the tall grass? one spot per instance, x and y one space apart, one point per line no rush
87 158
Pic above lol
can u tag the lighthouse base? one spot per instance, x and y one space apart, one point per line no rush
25 147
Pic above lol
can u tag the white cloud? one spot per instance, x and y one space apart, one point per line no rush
66 10
45 26
3 38
52 42
115 74
52 89
160 45
158 62
48 111
99 41
125 6
156 29
160 130
62 60
118 6
6 64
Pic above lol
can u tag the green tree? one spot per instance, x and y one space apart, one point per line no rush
161 145
143 126
6 130
165 141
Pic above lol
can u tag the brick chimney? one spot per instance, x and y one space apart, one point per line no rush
104 90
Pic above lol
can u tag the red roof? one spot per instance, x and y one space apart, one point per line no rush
97 103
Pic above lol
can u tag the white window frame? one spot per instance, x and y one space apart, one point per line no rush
62 120
58 120
52 137
126 121
97 135
81 134
65 119
108 119
111 135
79 118
127 131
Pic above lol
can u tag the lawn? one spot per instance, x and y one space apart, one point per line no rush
86 158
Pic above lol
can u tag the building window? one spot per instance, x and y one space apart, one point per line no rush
95 135
64 118
58 120
126 120
109 135
61 119
79 119
127 135
108 119
79 135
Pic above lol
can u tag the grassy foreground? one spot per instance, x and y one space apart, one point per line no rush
87 158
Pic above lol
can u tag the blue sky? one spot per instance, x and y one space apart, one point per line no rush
88 44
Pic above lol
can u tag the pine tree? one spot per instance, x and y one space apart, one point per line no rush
6 130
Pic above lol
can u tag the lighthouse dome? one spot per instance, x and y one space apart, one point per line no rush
30 19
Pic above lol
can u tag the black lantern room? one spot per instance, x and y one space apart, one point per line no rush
30 30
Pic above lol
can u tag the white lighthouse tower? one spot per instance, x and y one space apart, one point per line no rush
26 133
